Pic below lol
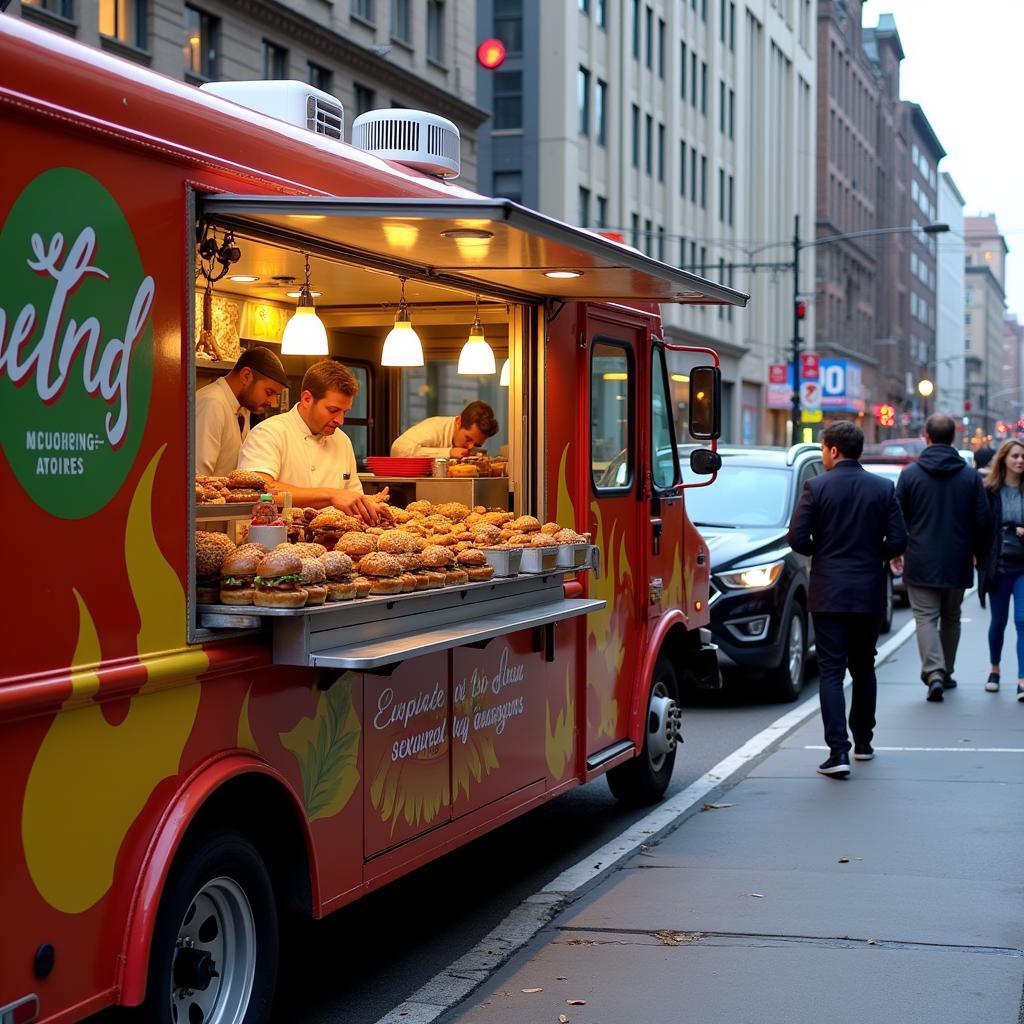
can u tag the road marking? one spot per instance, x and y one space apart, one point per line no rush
944 750
459 979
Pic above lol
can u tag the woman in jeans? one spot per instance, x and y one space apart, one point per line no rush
1002 576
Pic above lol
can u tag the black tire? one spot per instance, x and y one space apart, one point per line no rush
219 889
890 604
644 779
787 679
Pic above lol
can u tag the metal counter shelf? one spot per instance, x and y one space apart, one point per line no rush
369 633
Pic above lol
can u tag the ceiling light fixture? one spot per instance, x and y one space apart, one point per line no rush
244 279
304 334
560 275
506 374
477 357
298 295
402 346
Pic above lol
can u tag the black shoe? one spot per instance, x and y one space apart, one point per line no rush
1020 693
836 767
863 752
949 683
935 691
992 683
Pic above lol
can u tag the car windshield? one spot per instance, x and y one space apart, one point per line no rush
742 496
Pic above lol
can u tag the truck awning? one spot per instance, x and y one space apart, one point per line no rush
491 246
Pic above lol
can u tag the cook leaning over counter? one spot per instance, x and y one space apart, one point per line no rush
448 436
303 451
223 408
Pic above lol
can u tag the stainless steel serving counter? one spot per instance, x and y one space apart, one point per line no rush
372 632
489 491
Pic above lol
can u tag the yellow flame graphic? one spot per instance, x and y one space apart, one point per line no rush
90 779
565 513
246 740
558 741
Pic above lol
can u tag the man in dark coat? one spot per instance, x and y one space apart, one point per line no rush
849 522
948 520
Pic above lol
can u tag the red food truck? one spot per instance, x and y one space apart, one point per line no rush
177 775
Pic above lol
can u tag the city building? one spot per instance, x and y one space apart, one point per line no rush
950 356
366 53
687 127
990 395
1013 338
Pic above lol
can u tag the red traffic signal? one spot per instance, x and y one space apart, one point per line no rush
491 54
967 406
801 310
885 415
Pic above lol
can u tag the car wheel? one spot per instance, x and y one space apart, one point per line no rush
215 944
890 603
644 779
788 678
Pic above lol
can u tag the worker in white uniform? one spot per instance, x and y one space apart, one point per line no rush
222 409
448 436
303 451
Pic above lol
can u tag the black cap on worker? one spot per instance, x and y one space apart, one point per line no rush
263 362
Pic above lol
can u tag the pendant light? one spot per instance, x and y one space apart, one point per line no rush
505 378
304 334
477 357
402 345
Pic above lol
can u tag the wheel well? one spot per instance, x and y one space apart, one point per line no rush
678 642
256 806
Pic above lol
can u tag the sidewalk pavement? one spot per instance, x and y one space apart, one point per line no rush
893 896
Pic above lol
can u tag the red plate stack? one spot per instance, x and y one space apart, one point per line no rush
381 466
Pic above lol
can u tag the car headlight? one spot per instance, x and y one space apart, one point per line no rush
756 577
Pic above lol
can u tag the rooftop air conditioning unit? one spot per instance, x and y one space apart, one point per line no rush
295 102
412 137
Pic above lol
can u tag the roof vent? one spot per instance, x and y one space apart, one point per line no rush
295 102
413 137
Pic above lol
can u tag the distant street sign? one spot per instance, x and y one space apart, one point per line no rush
810 394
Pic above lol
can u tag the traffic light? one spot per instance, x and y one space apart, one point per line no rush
885 415
801 309
967 406
491 54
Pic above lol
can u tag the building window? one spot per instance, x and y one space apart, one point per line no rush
124 20
648 143
661 244
401 28
661 47
508 100
693 80
693 175
508 24
435 30
703 182
636 136
703 10
661 152
584 208
275 61
363 9
584 6
682 169
509 185
703 88
648 236
649 24
721 194
601 14
600 112
721 106
202 38
635 229
601 213
693 258
732 190
62 8
583 100
318 77
732 32
682 71
634 17
732 112
365 98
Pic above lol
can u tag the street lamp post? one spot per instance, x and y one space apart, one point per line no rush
798 246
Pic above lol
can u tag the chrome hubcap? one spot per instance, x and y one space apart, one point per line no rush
796 648
215 957
664 725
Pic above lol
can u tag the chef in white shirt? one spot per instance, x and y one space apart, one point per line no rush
303 451
223 407
448 436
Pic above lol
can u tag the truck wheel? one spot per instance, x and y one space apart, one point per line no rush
788 678
644 779
215 945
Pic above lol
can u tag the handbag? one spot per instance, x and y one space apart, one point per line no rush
1011 550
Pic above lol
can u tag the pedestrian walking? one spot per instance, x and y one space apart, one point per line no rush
850 523
1002 569
946 511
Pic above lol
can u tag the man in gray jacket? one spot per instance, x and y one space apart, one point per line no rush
948 520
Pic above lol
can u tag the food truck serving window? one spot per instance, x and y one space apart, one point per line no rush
664 461
611 416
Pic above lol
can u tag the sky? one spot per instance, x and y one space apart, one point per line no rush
963 64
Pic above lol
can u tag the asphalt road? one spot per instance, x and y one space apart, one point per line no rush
356 965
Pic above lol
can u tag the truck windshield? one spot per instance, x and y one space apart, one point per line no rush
742 496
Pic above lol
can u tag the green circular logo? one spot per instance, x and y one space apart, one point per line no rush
76 343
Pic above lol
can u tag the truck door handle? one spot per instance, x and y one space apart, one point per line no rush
656 530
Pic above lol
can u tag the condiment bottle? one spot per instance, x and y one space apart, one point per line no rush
264 512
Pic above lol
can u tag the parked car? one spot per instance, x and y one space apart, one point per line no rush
891 471
895 449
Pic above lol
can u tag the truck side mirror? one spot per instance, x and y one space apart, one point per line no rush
705 403
704 462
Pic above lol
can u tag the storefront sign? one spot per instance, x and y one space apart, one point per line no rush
809 368
780 386
76 343
841 387
810 394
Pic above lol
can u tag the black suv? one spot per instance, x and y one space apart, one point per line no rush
758 583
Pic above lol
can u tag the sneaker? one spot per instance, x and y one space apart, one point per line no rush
992 684
863 752
935 691
1020 693
949 683
837 766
